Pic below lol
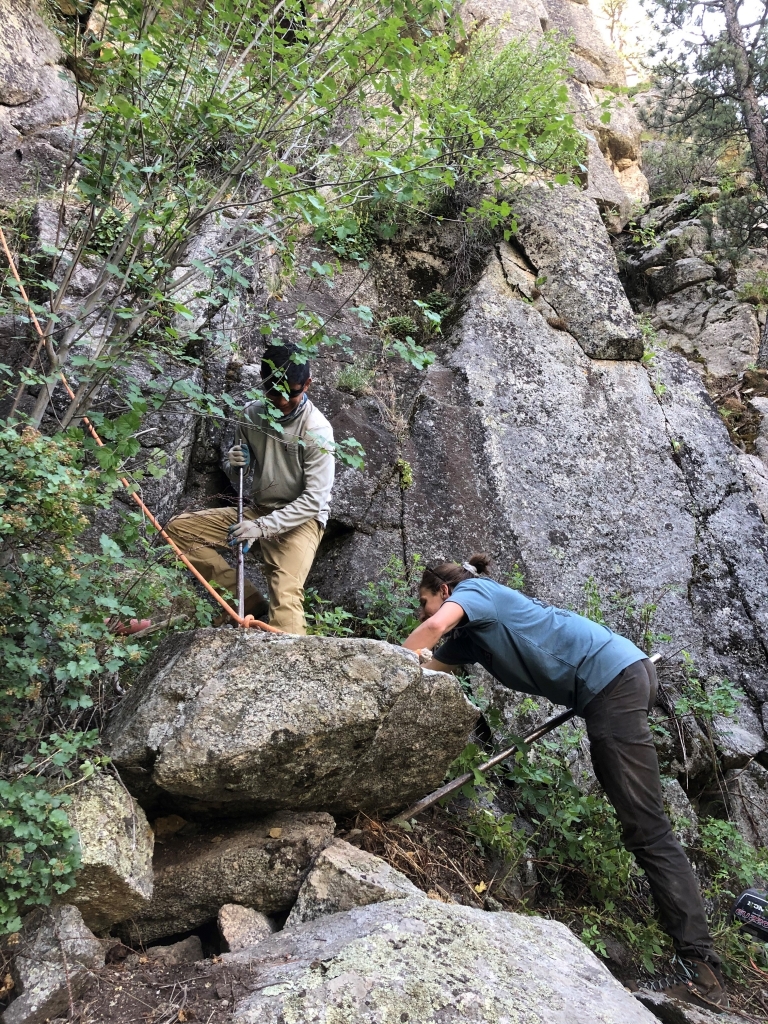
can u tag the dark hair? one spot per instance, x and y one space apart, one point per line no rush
452 573
279 364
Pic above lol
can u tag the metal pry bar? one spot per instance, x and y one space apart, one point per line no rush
240 556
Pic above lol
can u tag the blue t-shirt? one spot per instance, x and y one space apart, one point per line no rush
533 647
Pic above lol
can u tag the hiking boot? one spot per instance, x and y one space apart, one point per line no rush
694 981
255 605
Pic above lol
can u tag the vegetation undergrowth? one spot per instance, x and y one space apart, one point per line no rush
61 660
388 606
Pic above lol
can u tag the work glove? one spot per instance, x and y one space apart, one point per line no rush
239 456
248 532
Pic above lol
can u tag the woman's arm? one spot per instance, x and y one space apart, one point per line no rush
430 631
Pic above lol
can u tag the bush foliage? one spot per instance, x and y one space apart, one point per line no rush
60 657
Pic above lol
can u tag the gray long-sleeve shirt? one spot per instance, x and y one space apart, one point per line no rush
294 471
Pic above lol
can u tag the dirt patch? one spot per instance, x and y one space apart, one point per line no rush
732 395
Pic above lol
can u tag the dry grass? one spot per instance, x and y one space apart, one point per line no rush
732 396
439 856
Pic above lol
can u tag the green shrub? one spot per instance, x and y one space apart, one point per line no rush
323 619
515 578
755 291
497 111
389 607
356 378
720 699
390 603
399 326
58 653
438 301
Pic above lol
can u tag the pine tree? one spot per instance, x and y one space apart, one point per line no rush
713 75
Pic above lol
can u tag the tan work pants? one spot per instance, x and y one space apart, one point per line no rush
287 559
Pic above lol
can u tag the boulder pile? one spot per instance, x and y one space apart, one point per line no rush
257 740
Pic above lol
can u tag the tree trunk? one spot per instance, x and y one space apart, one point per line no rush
750 107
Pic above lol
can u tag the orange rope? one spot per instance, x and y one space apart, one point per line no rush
248 620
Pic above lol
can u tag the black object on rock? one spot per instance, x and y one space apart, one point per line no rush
751 911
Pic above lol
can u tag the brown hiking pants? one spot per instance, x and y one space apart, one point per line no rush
626 766
287 559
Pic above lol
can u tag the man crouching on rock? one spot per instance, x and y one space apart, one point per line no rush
293 471
535 648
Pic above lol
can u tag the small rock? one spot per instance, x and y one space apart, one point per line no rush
188 951
56 954
343 877
242 927
492 905
167 826
116 844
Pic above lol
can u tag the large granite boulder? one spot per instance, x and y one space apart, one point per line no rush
260 864
426 961
565 240
224 720
343 877
115 876
55 956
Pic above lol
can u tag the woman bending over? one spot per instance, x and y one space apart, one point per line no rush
536 648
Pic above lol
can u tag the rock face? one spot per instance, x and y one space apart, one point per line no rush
614 176
343 877
36 94
116 843
565 240
259 864
426 961
748 799
700 309
56 954
681 274
570 468
230 722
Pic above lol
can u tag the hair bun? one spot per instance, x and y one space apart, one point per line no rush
480 561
